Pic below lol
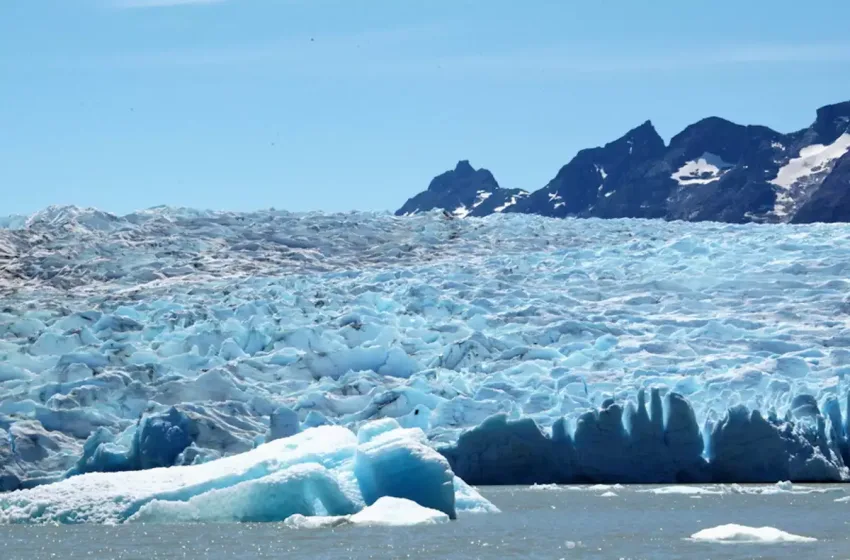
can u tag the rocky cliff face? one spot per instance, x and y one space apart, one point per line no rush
713 170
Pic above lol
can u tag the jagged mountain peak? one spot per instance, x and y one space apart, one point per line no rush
639 142
463 167
646 128
464 177
463 191
832 121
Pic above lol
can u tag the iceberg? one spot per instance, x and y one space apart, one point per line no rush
322 472
397 512
524 349
386 512
733 533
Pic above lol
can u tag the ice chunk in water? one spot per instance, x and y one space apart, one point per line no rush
733 533
386 512
397 512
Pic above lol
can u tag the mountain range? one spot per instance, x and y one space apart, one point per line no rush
714 170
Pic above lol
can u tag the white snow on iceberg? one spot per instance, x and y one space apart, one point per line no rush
386 512
733 533
397 512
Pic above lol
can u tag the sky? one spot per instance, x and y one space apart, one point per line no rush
341 105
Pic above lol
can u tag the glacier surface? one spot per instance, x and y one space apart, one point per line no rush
526 349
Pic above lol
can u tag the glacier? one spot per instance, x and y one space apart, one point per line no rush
523 349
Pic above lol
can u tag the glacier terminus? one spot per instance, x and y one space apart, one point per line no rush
186 365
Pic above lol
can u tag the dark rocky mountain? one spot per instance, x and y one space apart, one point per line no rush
831 202
463 192
713 170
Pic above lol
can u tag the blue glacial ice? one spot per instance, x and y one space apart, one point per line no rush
525 349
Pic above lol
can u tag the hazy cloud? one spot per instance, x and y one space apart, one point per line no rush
438 51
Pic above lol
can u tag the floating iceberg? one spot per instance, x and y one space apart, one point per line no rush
733 533
386 512
397 512
527 350
323 472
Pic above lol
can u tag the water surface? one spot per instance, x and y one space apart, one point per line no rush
534 523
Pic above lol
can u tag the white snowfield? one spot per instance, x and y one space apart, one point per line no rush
805 171
812 160
705 169
526 349
733 533
510 202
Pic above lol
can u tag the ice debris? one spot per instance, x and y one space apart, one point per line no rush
780 488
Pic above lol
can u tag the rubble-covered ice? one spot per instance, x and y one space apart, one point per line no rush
527 350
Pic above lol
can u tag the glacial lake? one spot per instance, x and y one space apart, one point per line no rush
563 522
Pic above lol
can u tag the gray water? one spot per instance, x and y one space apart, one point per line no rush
559 523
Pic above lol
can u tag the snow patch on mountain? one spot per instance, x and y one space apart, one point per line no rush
814 159
461 211
807 169
556 200
601 171
705 169
511 202
481 197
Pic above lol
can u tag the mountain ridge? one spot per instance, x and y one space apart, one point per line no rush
712 170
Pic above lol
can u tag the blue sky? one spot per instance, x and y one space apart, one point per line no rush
346 104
